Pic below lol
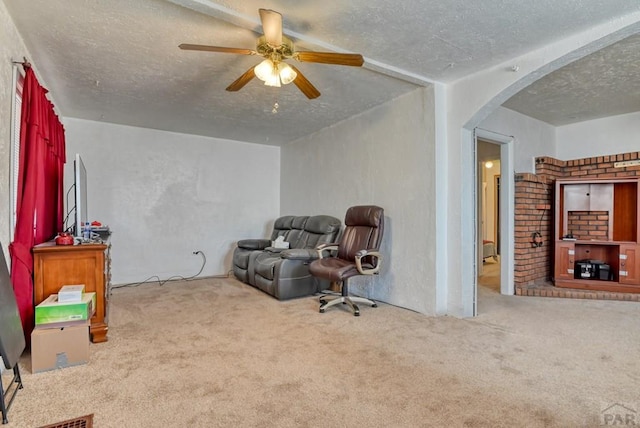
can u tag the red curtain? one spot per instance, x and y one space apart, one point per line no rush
40 203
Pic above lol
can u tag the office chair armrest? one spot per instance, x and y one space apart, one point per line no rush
326 247
370 253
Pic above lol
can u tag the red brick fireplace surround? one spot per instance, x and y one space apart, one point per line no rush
534 211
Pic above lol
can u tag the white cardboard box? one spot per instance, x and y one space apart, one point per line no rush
71 293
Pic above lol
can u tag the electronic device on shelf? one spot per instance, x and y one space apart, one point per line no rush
80 196
99 232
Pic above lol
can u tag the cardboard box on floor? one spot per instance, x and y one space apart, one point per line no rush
56 348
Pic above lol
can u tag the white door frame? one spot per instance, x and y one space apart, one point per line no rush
507 209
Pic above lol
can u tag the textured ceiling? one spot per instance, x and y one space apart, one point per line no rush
118 61
605 83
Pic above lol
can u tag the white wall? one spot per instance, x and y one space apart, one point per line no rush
607 136
533 138
383 157
165 195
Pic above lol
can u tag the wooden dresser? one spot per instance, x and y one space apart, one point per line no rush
88 264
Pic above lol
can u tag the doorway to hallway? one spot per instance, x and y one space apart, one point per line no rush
488 218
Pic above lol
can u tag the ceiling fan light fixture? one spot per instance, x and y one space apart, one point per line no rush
275 73
273 80
264 70
287 74
267 71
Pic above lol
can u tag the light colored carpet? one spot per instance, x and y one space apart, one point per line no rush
216 352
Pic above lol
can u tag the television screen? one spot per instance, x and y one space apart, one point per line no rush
80 185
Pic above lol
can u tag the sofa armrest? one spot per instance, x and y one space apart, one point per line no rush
254 244
299 254
275 250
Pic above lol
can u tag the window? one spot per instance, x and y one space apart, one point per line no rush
16 112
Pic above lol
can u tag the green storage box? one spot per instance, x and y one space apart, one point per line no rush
51 313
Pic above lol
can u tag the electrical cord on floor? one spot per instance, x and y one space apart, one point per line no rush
162 282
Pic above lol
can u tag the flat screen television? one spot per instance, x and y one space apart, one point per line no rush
80 195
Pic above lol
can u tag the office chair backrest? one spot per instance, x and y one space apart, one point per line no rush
363 230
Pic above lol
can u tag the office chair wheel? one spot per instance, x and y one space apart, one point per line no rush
322 310
356 313
375 305
322 301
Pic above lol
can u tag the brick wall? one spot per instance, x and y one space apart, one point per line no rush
534 210
585 225
533 213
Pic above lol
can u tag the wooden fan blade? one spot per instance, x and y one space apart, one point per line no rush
239 51
242 80
272 26
304 85
354 60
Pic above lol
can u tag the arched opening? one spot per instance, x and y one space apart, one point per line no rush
470 256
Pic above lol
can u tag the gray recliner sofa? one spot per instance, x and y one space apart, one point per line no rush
284 273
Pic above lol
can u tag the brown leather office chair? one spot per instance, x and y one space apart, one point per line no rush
357 253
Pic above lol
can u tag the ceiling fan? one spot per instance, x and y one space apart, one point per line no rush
275 48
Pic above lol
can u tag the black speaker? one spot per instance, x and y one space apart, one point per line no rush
584 269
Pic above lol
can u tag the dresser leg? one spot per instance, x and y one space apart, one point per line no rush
98 333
